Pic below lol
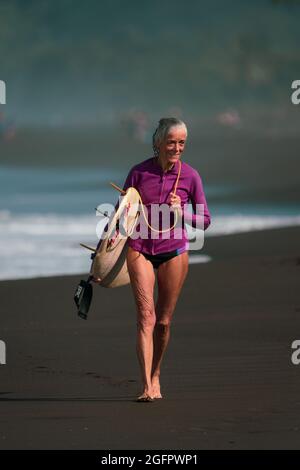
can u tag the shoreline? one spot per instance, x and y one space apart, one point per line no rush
215 246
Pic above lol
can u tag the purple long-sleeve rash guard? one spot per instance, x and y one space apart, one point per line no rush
154 186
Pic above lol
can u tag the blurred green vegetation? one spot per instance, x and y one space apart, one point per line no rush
69 62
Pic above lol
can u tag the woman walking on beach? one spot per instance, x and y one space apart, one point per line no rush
162 179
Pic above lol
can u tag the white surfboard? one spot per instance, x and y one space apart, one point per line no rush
109 262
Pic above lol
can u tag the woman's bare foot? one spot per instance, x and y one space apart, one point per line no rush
147 396
156 387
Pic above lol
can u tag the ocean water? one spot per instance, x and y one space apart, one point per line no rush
46 213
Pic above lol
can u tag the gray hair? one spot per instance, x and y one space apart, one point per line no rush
162 131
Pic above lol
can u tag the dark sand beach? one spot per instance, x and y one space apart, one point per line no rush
228 381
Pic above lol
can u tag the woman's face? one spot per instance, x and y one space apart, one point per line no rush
171 149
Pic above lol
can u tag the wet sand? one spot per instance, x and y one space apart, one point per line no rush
227 380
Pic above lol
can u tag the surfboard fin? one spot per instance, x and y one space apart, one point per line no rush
117 188
88 247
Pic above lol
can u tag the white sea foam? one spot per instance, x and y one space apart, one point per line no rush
37 245
239 223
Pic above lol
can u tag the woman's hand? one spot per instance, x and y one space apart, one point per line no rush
175 201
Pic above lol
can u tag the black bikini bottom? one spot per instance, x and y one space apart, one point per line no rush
160 258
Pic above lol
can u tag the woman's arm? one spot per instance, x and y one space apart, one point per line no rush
201 216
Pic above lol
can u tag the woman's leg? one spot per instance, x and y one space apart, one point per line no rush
170 278
142 279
